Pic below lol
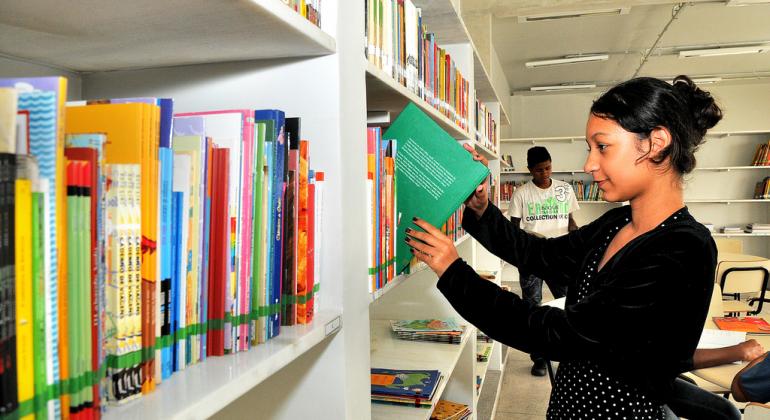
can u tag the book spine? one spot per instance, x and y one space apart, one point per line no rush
24 286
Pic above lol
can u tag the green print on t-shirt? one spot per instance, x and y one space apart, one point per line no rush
547 207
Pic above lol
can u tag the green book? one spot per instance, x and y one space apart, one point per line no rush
38 303
434 175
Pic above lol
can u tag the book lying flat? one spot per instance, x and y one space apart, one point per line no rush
751 324
412 384
434 175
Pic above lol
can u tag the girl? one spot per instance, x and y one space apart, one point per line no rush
639 278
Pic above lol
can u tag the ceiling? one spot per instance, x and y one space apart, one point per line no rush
644 42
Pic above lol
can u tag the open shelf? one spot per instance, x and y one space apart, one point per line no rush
442 18
731 168
555 171
389 352
504 164
383 93
119 35
486 152
482 367
726 201
202 389
533 140
419 267
742 235
735 133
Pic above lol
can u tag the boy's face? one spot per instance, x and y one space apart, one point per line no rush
541 172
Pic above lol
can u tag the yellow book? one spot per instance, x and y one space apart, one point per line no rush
24 327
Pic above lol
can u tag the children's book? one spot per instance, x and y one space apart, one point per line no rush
448 410
405 383
434 175
751 324
426 325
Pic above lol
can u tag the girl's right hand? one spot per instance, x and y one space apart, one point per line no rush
479 200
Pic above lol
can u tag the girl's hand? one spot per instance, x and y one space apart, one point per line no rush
479 200
431 247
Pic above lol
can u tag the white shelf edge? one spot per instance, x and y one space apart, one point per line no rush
434 113
727 201
736 133
503 163
402 277
561 171
732 168
405 412
486 151
742 235
558 139
201 390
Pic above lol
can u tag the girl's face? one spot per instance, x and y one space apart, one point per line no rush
614 160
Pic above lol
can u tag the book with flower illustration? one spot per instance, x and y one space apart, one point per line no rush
751 324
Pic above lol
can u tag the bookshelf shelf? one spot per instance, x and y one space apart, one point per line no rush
482 367
383 93
561 171
145 34
487 152
504 164
400 279
725 201
203 389
390 352
742 235
732 168
534 140
442 18
736 133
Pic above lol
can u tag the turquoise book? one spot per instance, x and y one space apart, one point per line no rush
434 175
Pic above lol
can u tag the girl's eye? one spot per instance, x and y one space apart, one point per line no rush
601 147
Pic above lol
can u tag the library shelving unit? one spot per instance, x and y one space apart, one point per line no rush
261 54
719 190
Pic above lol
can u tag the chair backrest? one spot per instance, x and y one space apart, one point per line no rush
741 273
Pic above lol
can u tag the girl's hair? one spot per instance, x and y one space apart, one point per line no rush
642 104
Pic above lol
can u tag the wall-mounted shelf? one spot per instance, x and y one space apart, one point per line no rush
119 35
389 352
742 235
383 93
732 168
487 152
725 201
419 267
200 390
534 140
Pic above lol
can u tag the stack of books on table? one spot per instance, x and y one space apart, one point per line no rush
758 228
438 330
448 410
404 387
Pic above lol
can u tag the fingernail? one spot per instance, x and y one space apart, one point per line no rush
408 230
407 239
411 250
415 218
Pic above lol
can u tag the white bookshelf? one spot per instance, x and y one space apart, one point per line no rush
115 35
201 390
389 352
259 54
482 367
535 140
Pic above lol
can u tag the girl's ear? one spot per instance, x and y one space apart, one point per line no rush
660 138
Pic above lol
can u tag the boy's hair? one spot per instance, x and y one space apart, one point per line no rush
537 154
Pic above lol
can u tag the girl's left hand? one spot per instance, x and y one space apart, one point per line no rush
431 247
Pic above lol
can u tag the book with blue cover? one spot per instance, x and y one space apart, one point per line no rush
408 387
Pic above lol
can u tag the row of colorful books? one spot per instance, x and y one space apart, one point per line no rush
309 9
399 44
136 242
762 155
383 208
485 127
507 189
762 189
587 190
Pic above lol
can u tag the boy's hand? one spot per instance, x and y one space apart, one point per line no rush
750 350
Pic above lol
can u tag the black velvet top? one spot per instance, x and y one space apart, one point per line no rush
632 326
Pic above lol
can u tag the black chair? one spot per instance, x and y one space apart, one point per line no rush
689 401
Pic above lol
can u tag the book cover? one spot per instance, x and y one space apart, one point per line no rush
8 379
434 175
182 180
303 292
43 98
425 325
220 251
9 99
24 283
258 239
750 324
416 384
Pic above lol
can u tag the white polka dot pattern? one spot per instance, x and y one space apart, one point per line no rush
582 388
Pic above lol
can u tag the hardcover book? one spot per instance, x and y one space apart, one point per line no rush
434 175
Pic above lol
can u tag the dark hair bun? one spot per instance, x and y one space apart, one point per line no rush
706 113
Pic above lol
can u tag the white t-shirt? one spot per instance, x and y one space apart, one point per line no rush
545 211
